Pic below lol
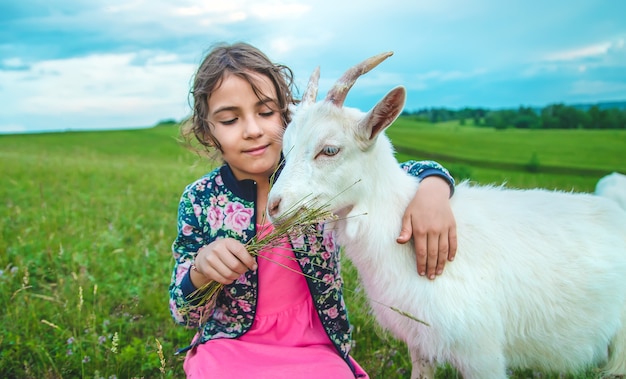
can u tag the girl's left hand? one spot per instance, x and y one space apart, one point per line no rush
429 219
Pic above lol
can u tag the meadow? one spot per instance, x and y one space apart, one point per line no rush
87 220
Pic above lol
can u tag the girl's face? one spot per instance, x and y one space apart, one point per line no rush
248 129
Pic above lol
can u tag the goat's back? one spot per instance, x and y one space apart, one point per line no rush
550 264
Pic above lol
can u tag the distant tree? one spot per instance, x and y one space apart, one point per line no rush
553 116
549 117
526 118
614 119
595 117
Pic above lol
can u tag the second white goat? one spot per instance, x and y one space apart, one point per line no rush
613 186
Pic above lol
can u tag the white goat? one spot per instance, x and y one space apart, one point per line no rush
539 280
613 186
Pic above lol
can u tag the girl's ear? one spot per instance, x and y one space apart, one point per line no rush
208 139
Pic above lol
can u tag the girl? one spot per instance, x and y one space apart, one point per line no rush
285 318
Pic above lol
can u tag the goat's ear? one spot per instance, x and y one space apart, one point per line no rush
383 114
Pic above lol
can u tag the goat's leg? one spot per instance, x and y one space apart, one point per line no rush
481 362
421 368
616 365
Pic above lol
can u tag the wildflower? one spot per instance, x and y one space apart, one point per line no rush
101 340
80 298
69 352
114 343
86 359
70 340
25 279
161 356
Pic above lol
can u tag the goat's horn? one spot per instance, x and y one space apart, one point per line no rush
337 94
310 93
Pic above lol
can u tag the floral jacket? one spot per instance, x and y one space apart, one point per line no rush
219 206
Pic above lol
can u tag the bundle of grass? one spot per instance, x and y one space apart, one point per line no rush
301 220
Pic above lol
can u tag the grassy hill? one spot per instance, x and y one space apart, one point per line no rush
566 159
88 218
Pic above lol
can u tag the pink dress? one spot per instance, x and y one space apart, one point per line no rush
286 340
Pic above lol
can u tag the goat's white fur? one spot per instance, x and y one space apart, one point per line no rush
613 186
539 279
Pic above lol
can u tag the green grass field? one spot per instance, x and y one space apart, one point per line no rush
88 219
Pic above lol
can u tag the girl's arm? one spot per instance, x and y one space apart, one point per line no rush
429 218
189 240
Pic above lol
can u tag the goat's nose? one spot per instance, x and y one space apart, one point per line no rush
273 206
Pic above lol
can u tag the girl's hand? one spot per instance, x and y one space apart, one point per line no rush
223 261
430 219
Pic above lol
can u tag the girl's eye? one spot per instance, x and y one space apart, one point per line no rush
267 114
330 150
228 122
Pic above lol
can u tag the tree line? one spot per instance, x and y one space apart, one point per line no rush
554 116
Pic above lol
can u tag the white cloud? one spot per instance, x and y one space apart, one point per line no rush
99 87
594 50
131 61
13 128
605 89
13 63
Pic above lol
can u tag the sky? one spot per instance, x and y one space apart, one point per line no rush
111 64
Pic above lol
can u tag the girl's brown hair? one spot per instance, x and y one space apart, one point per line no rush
239 59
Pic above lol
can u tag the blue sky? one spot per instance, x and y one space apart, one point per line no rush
118 64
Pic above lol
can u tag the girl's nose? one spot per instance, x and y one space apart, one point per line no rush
252 128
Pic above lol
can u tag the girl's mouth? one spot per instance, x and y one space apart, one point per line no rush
256 150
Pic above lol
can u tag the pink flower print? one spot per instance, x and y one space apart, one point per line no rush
314 249
215 217
238 217
197 210
219 314
329 241
219 181
187 229
325 255
328 278
244 305
305 261
181 271
242 279
298 242
177 316
222 199
332 312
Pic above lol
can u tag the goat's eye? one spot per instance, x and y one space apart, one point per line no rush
330 150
